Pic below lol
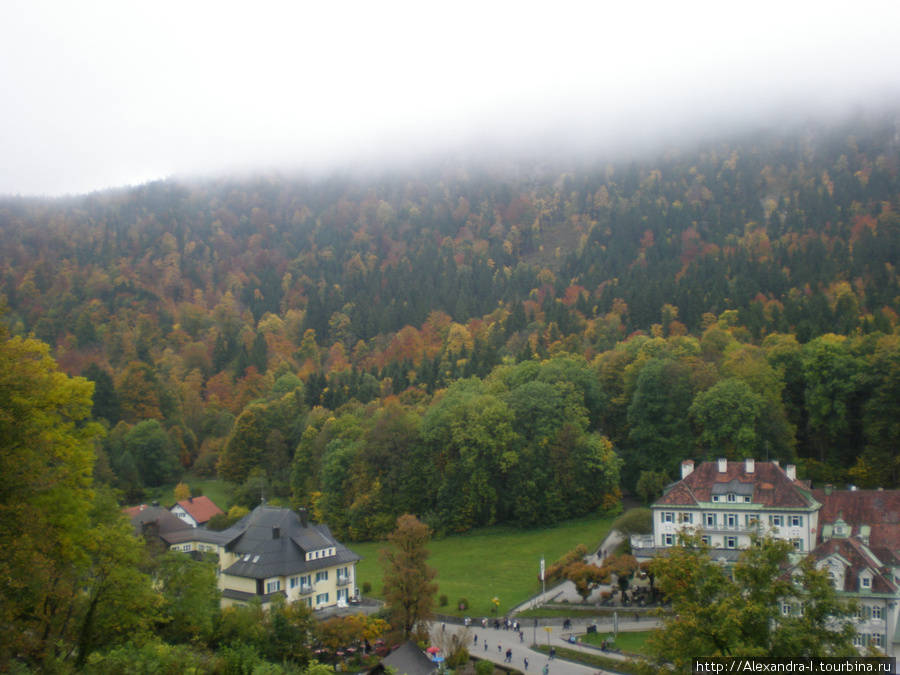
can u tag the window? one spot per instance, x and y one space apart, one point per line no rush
321 598
875 639
668 517
343 594
797 544
796 521
785 609
273 586
746 499
859 612
706 539
686 518
858 641
876 612
710 519
866 582
730 542
731 497
295 581
776 521
668 540
731 520
715 498
322 576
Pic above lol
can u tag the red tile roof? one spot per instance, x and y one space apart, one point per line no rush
860 559
200 509
880 510
768 482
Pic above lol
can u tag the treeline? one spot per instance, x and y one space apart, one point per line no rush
295 302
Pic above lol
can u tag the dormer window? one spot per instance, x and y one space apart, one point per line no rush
865 582
731 497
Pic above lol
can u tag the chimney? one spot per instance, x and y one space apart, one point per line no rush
791 471
276 533
751 465
191 499
828 488
304 519
723 465
776 462
687 467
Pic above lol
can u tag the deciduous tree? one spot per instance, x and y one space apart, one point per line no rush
715 613
408 580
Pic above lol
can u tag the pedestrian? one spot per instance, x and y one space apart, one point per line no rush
485 645
443 627
476 639
526 663
637 617
521 636
552 653
499 648
546 670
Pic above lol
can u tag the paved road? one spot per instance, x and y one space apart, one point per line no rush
498 641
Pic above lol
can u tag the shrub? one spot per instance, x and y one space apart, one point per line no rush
484 668
442 600
366 588
463 603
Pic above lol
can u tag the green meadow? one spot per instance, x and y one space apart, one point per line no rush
491 562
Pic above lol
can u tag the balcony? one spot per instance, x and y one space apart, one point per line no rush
306 589
343 579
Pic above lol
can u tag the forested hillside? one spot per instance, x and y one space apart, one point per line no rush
486 343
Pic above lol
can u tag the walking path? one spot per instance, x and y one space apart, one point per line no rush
492 643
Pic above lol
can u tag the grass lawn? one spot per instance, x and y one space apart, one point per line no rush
630 641
213 488
491 562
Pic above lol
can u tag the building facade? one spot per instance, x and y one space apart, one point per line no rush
728 502
275 551
853 535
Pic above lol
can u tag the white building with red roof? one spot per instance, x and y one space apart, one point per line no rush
853 535
196 511
727 502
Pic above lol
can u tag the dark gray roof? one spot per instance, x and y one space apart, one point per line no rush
408 659
733 486
196 534
160 522
247 597
274 542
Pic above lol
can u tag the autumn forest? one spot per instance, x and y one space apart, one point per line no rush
512 342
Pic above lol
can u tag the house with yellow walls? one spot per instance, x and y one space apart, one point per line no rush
276 552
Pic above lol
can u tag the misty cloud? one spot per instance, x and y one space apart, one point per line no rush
98 94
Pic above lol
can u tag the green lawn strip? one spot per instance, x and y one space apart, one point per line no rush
591 659
215 489
628 641
490 562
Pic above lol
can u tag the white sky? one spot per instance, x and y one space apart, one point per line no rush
98 94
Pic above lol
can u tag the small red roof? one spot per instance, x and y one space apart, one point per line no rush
200 509
132 511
